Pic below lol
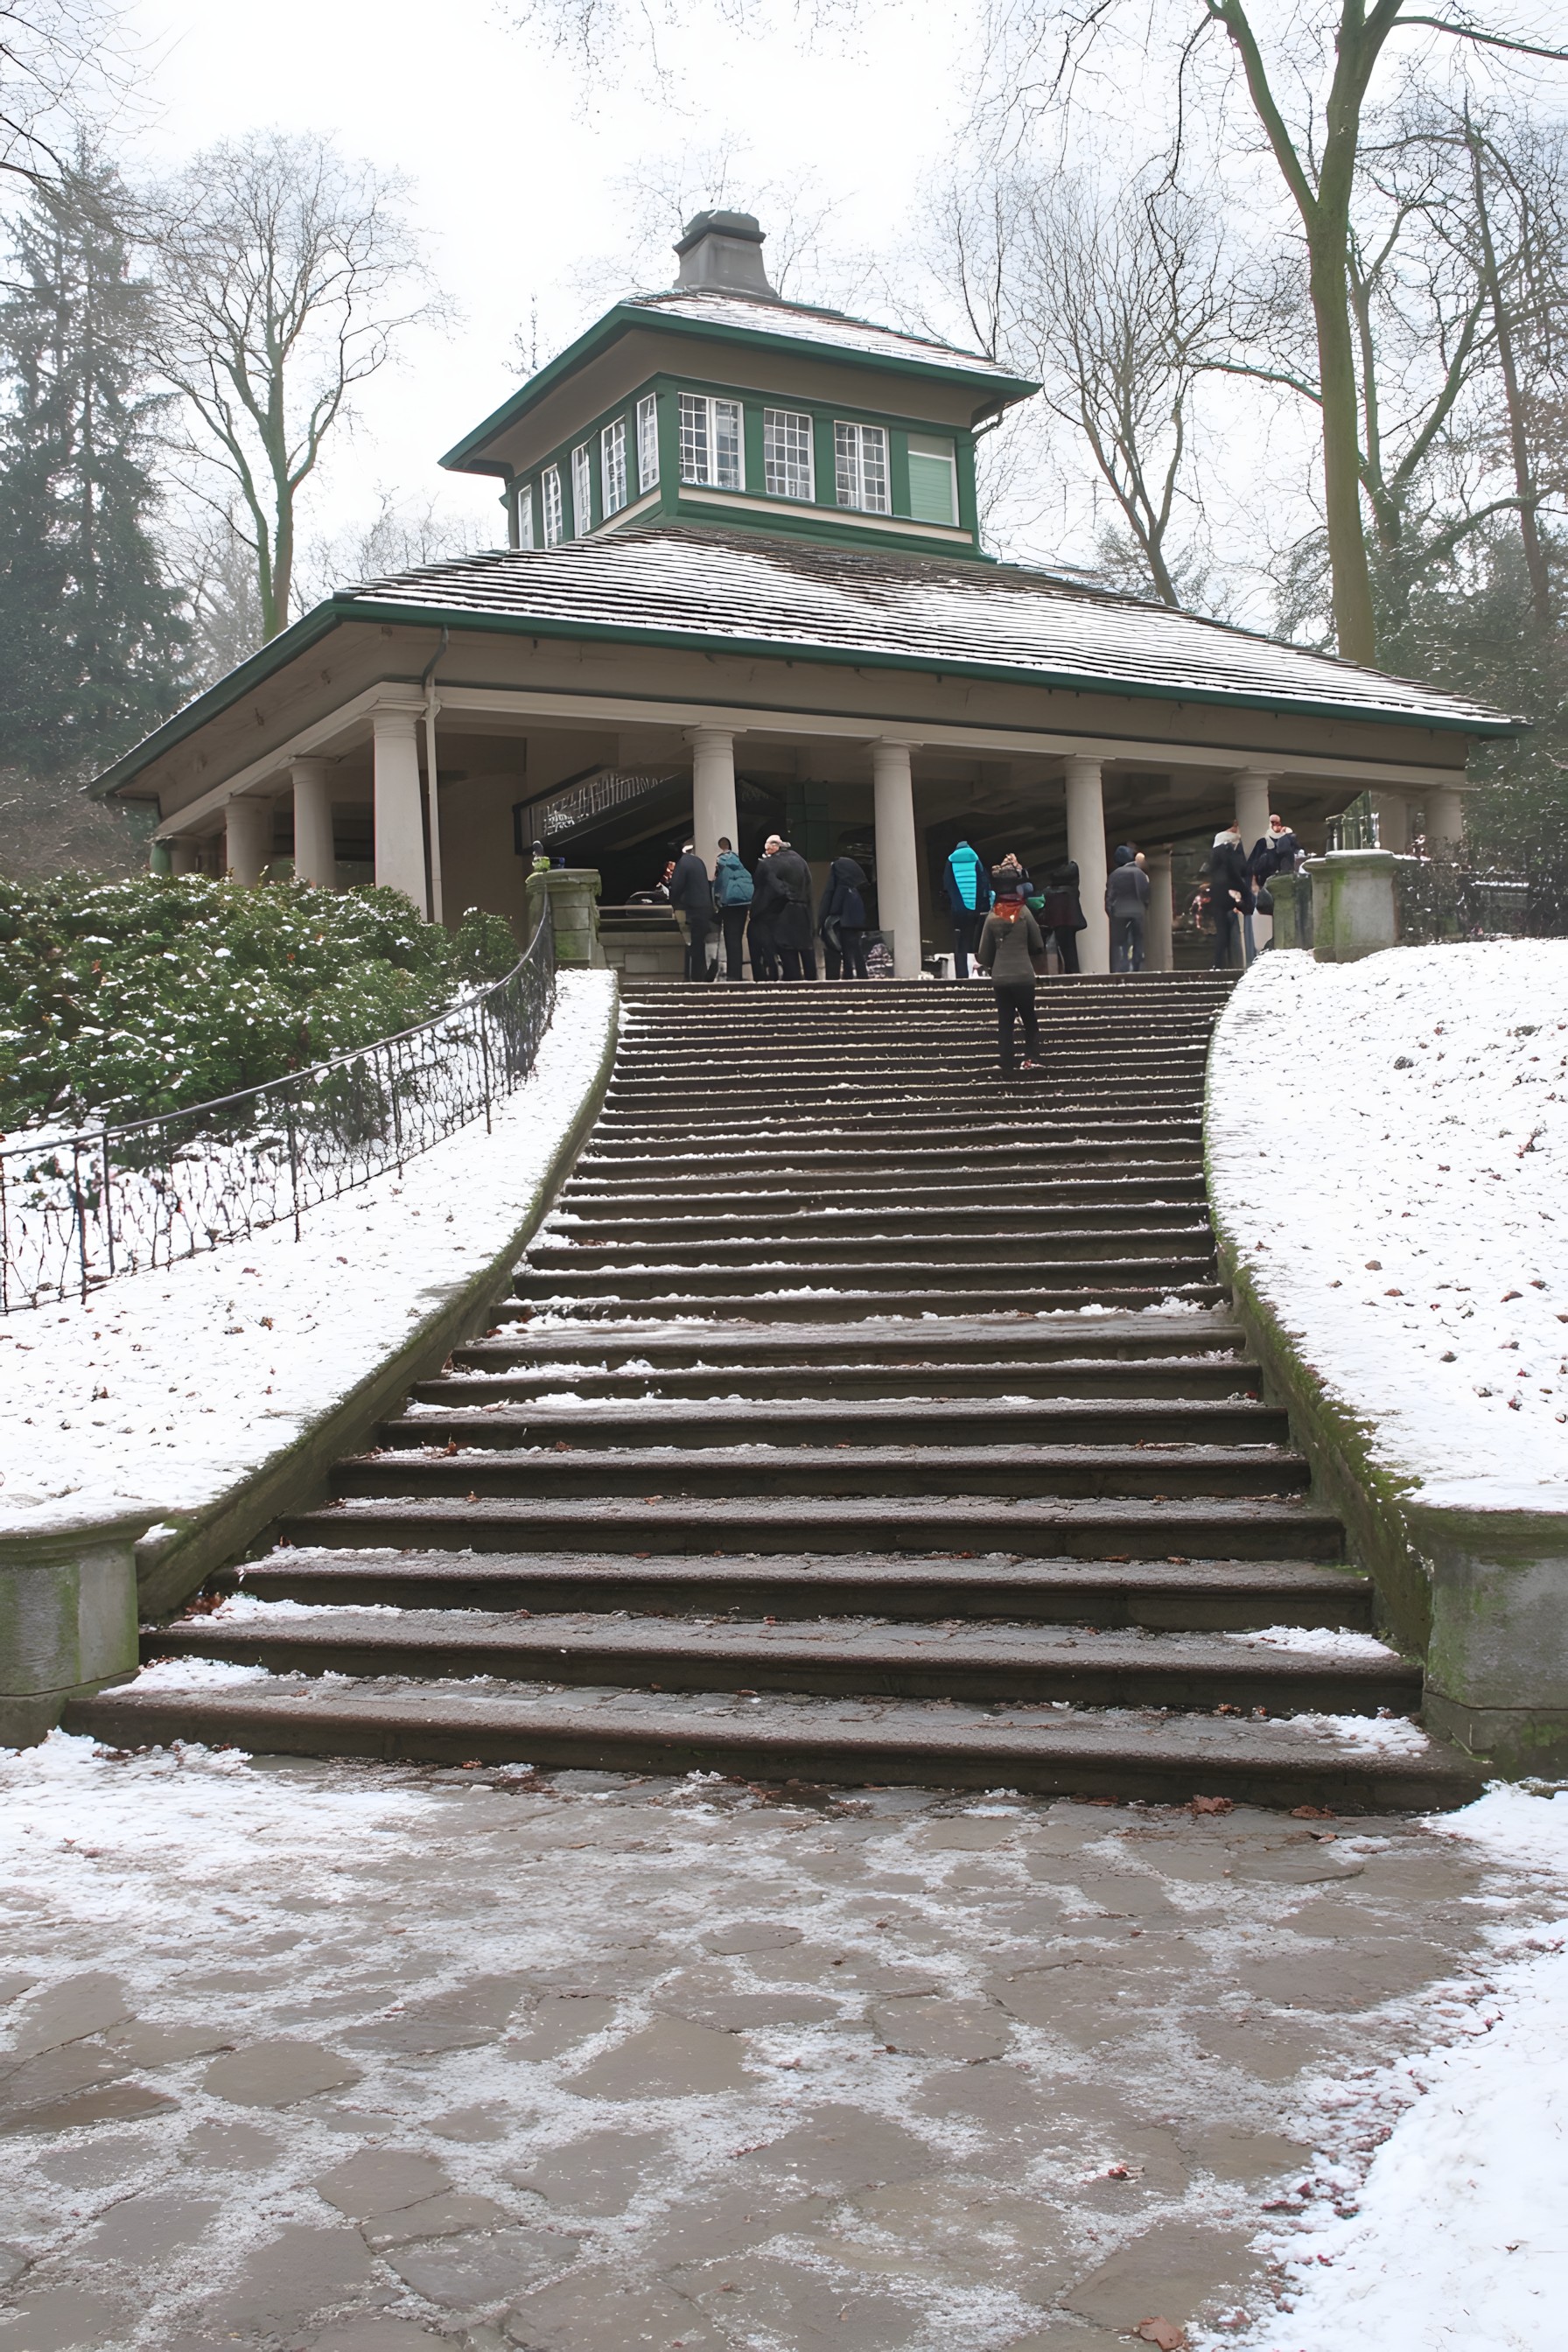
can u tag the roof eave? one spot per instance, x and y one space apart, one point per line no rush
463 457
274 656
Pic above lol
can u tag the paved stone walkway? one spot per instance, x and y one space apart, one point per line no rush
361 2059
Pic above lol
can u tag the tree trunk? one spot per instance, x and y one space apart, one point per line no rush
1507 367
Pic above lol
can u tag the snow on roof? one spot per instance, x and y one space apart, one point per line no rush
714 586
757 315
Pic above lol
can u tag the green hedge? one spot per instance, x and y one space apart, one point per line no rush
123 999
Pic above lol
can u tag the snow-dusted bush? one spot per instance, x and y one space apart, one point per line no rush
123 999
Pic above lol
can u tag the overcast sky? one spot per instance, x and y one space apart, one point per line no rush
513 155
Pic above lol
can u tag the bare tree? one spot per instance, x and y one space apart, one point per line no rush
285 276
61 61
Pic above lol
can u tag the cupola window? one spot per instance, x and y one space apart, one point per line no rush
550 494
648 442
582 491
860 461
934 481
613 465
711 441
787 469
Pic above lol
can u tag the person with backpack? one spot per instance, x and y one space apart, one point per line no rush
733 891
841 920
789 878
1009 943
691 895
969 897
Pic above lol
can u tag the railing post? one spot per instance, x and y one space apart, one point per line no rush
484 1058
108 1212
81 1214
293 1163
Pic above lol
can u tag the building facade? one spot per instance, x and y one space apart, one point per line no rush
744 590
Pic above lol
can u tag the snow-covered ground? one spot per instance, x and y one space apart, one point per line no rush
166 1388
1455 2238
1388 1143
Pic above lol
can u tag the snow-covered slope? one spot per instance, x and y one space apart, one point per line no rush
1388 1145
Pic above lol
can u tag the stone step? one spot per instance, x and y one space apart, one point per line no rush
1134 1420
1173 1233
584 1201
824 1658
841 1156
1083 1296
1015 1338
1132 1754
1092 1529
492 1374
757 1468
892 1284
1161 1595
617 1133
955 1229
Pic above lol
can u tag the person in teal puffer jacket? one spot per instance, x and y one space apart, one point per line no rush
733 888
969 896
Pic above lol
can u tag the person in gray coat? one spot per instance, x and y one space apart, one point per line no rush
1009 943
1127 904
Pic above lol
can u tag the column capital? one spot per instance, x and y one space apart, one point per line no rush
396 718
699 736
1082 763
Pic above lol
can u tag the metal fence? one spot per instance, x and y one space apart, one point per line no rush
77 1212
1440 898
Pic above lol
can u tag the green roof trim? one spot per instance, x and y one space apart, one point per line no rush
625 315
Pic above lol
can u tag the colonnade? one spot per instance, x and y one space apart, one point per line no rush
400 830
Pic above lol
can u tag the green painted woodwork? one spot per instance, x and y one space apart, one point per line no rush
898 474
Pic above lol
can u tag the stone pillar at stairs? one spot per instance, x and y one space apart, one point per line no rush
712 792
1353 910
1160 951
898 855
572 892
248 840
1085 847
399 807
315 856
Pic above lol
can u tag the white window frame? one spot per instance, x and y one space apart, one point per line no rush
789 457
648 442
553 505
861 467
931 451
613 467
703 418
525 515
581 489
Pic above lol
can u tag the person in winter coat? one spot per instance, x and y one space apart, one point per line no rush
791 880
691 895
841 920
1230 893
1127 893
1061 914
1277 852
767 906
732 893
969 896
1010 940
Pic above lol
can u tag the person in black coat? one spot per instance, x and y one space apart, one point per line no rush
790 877
841 920
691 895
767 906
1061 914
1230 893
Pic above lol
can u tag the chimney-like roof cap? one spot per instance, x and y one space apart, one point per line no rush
724 250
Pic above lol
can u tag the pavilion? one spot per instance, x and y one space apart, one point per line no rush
744 590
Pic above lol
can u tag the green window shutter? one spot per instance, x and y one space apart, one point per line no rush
932 485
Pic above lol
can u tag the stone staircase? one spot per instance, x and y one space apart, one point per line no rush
857 1417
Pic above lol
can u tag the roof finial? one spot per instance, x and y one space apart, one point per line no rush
722 252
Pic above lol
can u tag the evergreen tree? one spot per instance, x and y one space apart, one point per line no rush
92 641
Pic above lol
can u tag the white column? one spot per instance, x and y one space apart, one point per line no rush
1444 821
898 855
1393 821
399 814
248 844
1252 805
712 792
185 854
1085 847
1159 953
315 861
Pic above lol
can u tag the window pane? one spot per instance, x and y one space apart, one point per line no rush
582 492
648 442
873 468
614 466
695 464
525 515
787 454
726 460
847 464
554 524
933 482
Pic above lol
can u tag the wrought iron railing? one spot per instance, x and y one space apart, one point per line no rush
78 1210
